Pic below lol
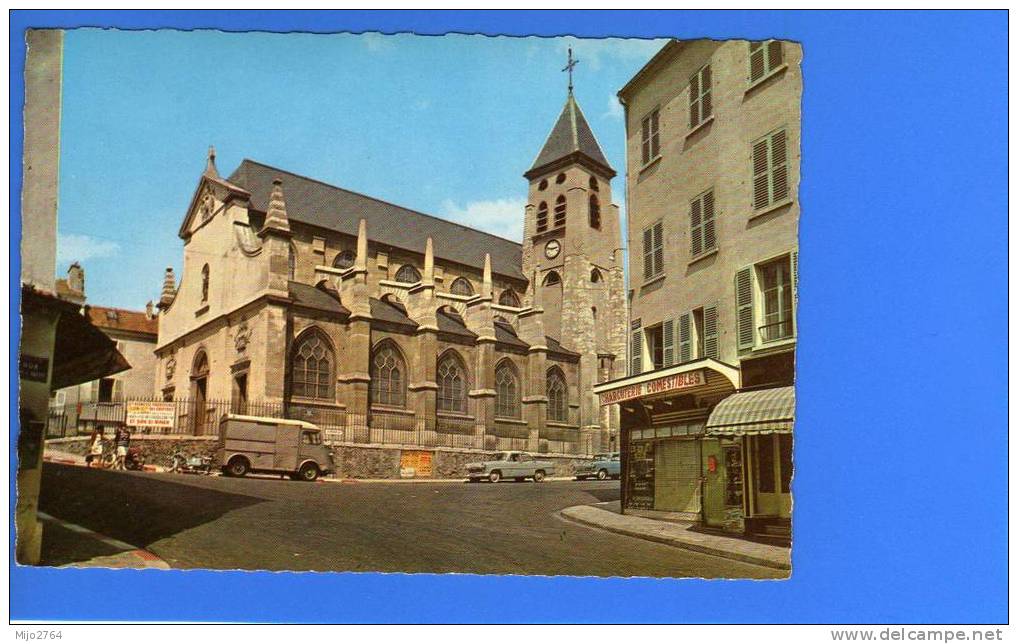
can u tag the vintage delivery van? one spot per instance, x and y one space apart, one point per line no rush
272 446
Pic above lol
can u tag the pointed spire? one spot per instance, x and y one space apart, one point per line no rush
361 262
169 288
210 165
429 262
487 290
276 217
570 140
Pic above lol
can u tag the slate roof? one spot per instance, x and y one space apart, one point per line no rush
504 334
554 346
570 138
313 202
453 325
316 298
391 313
105 317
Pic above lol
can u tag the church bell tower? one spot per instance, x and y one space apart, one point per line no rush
572 243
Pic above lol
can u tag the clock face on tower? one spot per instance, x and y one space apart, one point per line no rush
552 248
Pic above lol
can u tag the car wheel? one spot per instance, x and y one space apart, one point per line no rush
495 476
538 476
237 467
308 472
602 475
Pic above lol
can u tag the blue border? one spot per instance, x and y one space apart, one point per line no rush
901 471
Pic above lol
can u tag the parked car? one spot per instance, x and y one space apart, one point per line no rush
601 467
510 465
272 445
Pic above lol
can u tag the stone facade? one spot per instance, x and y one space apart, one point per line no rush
715 156
265 287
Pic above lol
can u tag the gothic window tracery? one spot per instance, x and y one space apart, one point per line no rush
313 367
388 377
558 409
452 384
507 391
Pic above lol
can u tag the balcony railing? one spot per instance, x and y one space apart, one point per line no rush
774 331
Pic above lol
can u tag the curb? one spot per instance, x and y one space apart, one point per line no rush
146 558
674 541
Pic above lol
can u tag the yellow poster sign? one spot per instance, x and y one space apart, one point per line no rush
414 463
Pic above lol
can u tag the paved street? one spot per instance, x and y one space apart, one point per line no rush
263 523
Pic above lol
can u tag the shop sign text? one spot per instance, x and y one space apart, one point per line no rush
658 386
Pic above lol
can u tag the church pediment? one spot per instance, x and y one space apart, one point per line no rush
210 197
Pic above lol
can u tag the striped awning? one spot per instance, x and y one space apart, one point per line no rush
765 411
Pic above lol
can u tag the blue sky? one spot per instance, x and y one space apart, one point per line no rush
445 125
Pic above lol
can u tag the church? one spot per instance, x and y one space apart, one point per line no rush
386 326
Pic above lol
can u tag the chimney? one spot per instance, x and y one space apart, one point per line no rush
169 289
76 278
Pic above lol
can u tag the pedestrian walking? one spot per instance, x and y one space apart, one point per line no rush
95 450
123 442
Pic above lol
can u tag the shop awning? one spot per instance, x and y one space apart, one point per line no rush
765 411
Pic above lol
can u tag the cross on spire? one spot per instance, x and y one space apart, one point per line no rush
569 67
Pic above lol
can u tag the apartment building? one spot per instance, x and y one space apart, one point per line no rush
713 132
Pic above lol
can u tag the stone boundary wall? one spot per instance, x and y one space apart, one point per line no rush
157 450
352 460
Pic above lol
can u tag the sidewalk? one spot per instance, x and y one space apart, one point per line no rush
56 456
67 545
679 535
462 479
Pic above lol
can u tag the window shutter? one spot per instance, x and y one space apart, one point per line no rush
694 96
659 248
654 147
710 239
648 253
636 351
744 307
705 85
685 339
118 390
668 340
779 167
95 391
695 228
761 193
756 61
795 291
773 54
710 332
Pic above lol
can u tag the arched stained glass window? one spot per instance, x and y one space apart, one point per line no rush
345 259
452 384
558 409
507 390
407 274
313 367
461 286
388 376
509 297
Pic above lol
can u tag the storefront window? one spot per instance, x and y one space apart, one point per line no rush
785 444
763 458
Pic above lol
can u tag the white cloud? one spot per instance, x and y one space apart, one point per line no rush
614 110
80 248
502 217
